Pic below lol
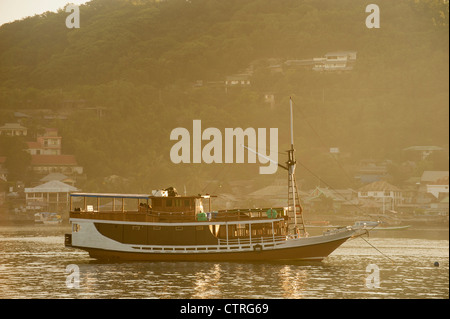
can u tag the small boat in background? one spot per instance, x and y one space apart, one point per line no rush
47 218
374 225
366 224
393 227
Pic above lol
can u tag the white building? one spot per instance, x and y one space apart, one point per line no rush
335 61
48 143
382 192
13 129
435 183
52 196
238 80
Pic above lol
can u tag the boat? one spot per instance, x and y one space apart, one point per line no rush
366 224
393 227
165 226
47 218
375 225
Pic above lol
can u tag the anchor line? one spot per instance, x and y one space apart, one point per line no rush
370 244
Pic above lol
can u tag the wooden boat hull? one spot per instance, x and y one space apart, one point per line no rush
258 239
303 253
314 248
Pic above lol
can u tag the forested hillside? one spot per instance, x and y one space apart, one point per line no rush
141 60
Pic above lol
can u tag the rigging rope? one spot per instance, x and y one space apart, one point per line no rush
367 231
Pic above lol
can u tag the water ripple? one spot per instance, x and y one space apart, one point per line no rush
33 265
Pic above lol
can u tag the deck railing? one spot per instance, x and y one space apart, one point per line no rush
188 216
252 240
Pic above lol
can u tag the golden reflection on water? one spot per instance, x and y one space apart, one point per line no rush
293 283
206 283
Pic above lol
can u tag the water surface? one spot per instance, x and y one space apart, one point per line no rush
33 262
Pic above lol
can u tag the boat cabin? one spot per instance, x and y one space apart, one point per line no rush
174 220
172 209
142 206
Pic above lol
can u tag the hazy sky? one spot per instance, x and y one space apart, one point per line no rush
11 10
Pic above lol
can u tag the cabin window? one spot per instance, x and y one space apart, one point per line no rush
178 228
187 202
181 203
156 227
157 202
199 228
168 203
75 228
241 230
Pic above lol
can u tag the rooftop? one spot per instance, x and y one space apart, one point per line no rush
12 126
133 196
52 187
379 186
54 177
434 176
53 160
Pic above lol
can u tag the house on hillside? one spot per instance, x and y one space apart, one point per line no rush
382 192
64 164
435 183
335 61
275 195
242 80
370 171
441 206
13 129
52 196
49 143
270 196
323 199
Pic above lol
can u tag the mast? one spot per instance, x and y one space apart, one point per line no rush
293 198
298 227
291 163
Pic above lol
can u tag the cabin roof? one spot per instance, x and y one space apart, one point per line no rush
133 196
